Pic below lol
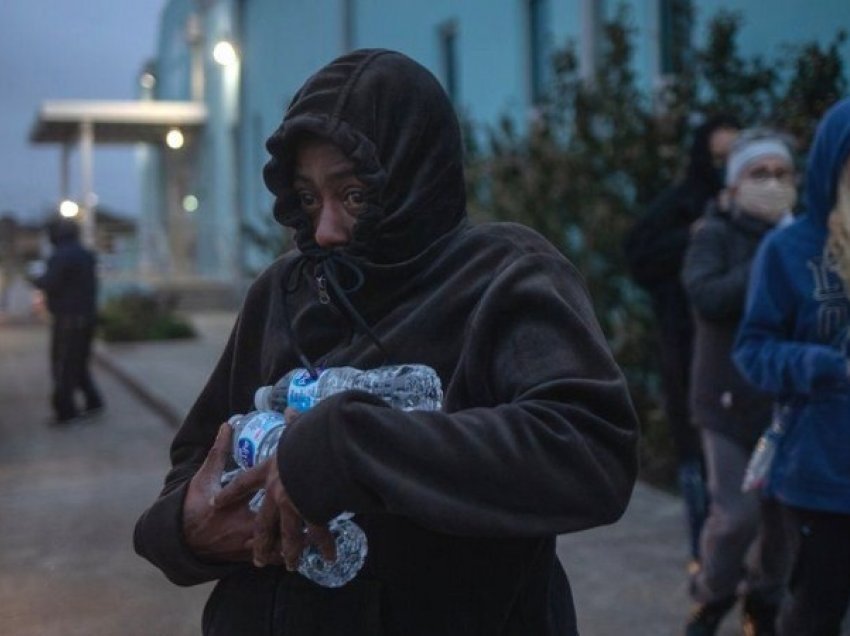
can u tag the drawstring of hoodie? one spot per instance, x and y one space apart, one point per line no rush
327 265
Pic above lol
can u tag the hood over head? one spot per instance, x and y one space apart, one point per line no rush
61 230
827 157
391 117
701 169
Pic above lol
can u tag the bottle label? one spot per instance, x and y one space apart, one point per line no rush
303 391
252 435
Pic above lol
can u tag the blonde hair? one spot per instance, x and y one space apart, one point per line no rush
838 240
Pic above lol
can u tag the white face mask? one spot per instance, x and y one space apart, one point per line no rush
768 200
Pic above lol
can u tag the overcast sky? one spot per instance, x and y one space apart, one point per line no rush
68 49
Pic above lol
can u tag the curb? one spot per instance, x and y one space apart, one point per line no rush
157 404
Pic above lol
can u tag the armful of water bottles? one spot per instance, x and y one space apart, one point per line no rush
219 498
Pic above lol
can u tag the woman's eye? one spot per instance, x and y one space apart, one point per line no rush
307 200
354 199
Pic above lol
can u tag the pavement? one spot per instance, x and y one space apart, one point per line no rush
70 497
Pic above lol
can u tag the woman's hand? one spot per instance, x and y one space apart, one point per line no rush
279 530
216 532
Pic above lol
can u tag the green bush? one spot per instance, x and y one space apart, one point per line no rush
141 315
599 152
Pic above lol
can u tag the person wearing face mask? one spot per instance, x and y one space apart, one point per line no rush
654 250
794 342
730 413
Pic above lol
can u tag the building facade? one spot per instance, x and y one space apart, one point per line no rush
491 55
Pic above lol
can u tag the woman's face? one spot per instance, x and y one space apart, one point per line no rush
328 191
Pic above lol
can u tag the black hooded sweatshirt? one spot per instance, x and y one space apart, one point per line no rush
537 435
70 281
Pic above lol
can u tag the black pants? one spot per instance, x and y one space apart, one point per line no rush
675 347
70 350
819 589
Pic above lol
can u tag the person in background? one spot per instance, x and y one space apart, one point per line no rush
70 289
732 414
655 249
8 257
536 436
794 342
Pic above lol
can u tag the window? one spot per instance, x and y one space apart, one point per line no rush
538 48
589 38
348 21
676 18
448 58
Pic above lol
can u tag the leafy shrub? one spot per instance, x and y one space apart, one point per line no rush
600 151
142 315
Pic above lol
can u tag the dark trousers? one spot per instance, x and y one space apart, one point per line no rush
675 361
70 349
819 590
744 544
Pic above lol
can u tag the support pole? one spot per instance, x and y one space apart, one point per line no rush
87 177
65 172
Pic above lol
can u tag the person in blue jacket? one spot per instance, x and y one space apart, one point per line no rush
794 342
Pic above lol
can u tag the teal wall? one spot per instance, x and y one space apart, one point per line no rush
767 27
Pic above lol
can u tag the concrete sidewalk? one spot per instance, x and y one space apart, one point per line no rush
628 578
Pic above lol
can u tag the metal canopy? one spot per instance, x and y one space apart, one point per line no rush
118 122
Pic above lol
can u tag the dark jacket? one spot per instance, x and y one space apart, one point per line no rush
655 249
461 507
795 337
70 281
715 275
655 246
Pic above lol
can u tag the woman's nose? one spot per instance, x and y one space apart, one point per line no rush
330 227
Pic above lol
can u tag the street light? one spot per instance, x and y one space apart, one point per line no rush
190 203
147 80
69 209
174 139
225 53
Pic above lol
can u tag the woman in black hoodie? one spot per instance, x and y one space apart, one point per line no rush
537 435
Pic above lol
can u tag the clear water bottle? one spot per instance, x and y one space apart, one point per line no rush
758 468
255 438
406 387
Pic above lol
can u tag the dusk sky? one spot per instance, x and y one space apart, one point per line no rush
68 49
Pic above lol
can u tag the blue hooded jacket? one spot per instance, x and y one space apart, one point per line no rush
794 340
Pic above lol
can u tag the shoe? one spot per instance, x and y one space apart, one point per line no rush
66 419
758 617
705 618
93 410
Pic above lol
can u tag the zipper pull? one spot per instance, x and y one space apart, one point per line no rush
322 284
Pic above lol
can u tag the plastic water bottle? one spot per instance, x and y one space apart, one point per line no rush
758 467
255 438
406 387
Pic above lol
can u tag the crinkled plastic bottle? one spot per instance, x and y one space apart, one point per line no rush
255 438
407 387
